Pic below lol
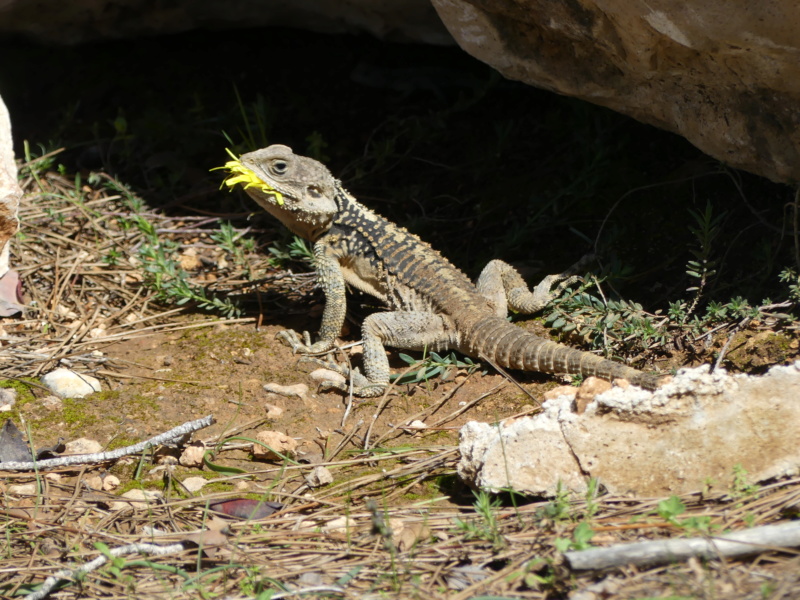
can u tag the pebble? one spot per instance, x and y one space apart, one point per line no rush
298 390
194 484
68 384
137 499
273 412
320 375
192 456
8 398
277 442
318 477
110 483
83 446
22 489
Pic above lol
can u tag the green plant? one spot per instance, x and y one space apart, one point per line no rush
790 276
740 488
592 491
581 536
432 365
559 508
297 250
487 528
233 242
706 228
163 275
671 508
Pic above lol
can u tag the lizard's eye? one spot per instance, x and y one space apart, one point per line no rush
279 167
314 191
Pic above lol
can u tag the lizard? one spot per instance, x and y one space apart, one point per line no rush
431 304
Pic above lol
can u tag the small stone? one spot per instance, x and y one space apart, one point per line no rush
311 579
110 483
97 332
94 482
8 398
417 424
137 499
277 442
192 456
189 260
241 485
273 412
318 477
68 384
22 489
340 525
194 484
298 390
83 446
53 477
320 375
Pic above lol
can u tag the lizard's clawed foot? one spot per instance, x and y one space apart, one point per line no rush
362 387
292 339
544 291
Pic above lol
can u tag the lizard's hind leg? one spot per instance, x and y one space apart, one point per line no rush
504 288
398 329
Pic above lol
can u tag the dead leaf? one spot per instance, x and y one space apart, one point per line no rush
245 508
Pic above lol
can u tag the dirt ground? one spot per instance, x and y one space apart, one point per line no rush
221 370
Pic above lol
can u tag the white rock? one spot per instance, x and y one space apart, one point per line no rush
192 455
299 390
194 484
68 384
339 525
8 398
671 441
110 483
137 499
319 476
22 489
83 446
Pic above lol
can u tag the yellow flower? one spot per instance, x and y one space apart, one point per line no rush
238 173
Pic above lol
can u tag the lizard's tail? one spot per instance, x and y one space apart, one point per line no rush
511 347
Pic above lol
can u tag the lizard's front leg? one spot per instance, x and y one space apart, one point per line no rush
504 288
331 280
398 329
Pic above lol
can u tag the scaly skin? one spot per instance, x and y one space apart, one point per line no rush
432 304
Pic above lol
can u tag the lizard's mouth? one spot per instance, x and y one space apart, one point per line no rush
239 174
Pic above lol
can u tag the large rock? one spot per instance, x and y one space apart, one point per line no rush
725 74
57 21
702 427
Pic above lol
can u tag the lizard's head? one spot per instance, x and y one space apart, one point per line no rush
297 190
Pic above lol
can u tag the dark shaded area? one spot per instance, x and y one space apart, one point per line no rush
478 166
